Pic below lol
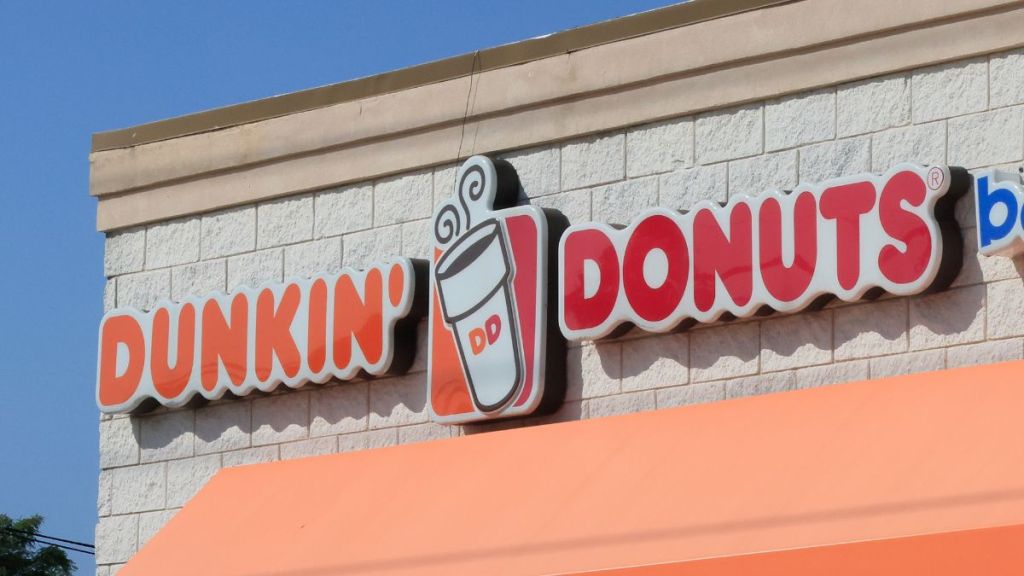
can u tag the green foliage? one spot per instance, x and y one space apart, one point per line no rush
20 556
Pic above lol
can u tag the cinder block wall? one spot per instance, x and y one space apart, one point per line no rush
969 113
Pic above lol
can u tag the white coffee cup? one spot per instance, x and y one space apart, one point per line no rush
473 279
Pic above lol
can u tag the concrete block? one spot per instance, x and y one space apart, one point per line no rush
924 144
312 258
872 105
1006 78
198 279
256 268
660 147
280 418
361 249
834 159
994 269
284 221
426 432
801 119
152 522
872 329
417 239
656 362
629 403
1004 317
311 447
258 455
443 183
119 442
116 538
837 373
142 290
105 493
186 477
593 370
899 364
752 176
574 205
339 409
138 488
730 133
970 271
621 202
419 362
760 384
398 401
167 436
683 189
947 318
539 170
368 440
342 210
725 351
171 243
985 353
593 160
124 251
109 295
698 393
796 341
949 90
224 426
986 139
403 198
228 232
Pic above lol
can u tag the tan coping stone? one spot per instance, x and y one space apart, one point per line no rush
603 88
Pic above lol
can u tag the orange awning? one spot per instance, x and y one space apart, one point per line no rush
921 474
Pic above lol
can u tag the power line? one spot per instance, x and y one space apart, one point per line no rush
18 534
38 535
54 544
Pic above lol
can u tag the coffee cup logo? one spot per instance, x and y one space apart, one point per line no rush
488 318
474 283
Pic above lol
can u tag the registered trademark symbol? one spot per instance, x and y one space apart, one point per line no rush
935 178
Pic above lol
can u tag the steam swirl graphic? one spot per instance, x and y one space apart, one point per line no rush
471 189
447 225
474 194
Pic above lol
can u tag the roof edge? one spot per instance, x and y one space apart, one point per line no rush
640 24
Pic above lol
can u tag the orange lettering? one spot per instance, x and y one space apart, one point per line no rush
477 340
117 389
396 285
171 382
362 318
223 342
317 336
274 333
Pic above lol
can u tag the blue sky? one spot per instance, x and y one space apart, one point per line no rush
68 69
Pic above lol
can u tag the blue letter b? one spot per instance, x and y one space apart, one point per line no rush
988 231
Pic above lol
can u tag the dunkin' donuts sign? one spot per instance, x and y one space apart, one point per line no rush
846 238
489 349
507 285
334 326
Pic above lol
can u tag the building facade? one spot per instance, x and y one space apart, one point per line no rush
707 104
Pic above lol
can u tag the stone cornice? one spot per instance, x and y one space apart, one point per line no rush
743 57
